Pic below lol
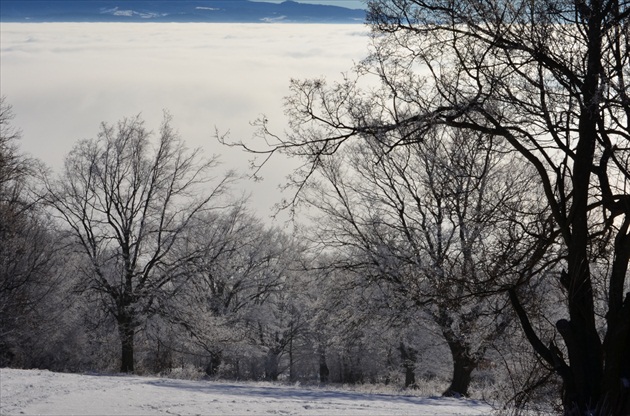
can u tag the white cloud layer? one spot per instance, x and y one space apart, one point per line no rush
64 79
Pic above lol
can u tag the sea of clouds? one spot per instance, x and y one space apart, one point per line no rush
64 79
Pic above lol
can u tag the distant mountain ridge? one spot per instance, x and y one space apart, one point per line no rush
217 11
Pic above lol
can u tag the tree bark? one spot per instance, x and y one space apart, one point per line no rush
580 332
408 357
463 366
617 340
127 333
324 372
216 358
271 365
291 369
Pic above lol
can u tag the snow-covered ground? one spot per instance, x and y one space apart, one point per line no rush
35 392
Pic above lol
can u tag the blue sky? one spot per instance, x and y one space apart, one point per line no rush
351 4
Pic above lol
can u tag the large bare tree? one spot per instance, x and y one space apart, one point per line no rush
432 225
551 78
127 200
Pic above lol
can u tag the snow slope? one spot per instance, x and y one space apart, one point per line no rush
39 392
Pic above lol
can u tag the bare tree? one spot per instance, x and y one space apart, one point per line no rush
240 294
549 77
28 260
431 225
127 200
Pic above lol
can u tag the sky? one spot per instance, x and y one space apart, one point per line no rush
350 4
64 79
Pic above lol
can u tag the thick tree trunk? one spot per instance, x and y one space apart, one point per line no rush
617 340
583 381
410 376
271 365
216 357
127 333
463 366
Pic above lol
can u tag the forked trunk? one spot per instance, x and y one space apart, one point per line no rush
214 363
408 357
597 393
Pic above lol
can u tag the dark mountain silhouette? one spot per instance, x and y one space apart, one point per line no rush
223 11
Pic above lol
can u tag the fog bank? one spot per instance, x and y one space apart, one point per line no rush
64 79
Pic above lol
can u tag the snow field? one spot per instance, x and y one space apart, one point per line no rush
37 392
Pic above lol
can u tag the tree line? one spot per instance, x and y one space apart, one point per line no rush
138 257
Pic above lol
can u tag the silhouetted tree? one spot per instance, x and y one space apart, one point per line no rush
551 79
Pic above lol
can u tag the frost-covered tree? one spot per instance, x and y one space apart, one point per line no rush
357 331
28 250
429 225
239 295
126 199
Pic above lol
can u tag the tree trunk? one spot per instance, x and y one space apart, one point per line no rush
324 372
127 333
410 377
271 365
408 356
215 361
617 340
463 366
291 369
583 381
